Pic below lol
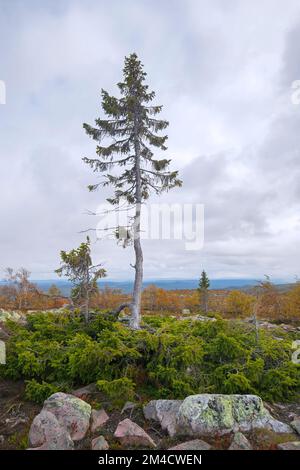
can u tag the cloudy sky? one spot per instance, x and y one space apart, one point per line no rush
223 71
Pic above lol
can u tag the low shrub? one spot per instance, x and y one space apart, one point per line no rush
39 392
168 358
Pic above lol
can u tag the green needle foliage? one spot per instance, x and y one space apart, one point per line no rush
78 267
203 291
168 358
130 133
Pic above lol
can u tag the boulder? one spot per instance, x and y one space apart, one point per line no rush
46 433
289 446
72 413
131 434
240 442
296 425
99 443
196 444
85 392
5 315
219 414
98 418
164 412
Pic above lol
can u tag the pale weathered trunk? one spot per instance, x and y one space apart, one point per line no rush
138 280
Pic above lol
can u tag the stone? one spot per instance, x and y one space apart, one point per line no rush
5 315
289 446
196 444
85 392
240 442
46 432
164 412
220 414
131 434
98 418
185 311
72 413
99 443
296 425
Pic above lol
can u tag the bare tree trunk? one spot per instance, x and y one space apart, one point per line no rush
204 301
86 293
138 281
87 306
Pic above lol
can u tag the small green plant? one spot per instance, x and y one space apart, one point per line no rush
118 391
39 392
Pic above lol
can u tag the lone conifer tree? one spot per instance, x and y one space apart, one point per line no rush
133 131
203 291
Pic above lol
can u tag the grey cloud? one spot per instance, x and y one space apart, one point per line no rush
223 76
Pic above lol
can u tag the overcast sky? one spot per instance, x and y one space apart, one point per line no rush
223 71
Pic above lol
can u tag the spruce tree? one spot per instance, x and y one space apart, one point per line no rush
203 291
78 267
132 129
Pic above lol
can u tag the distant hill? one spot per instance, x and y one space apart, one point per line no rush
168 284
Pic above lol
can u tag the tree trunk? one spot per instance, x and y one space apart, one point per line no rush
204 301
138 280
87 306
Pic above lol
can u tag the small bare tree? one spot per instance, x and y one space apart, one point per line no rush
22 285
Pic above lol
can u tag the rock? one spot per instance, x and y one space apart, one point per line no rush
5 315
99 443
219 414
129 405
2 439
296 425
196 444
72 413
131 434
185 311
85 392
165 412
46 432
240 442
99 418
204 318
289 446
2 352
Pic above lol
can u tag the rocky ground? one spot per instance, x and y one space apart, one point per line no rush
23 424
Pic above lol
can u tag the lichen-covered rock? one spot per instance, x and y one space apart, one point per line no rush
73 414
196 444
220 414
289 446
99 443
131 434
47 434
98 418
165 412
240 442
296 425
5 315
